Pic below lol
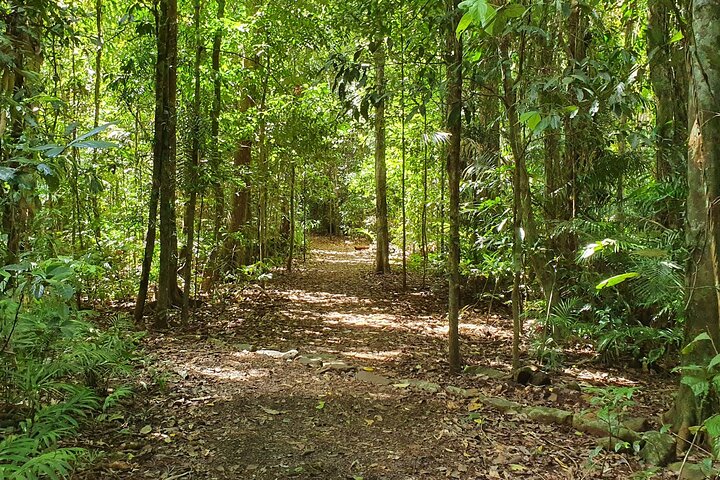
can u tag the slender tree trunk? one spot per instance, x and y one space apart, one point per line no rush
521 178
702 313
403 149
215 125
191 170
668 77
454 127
165 137
96 114
382 258
291 243
423 227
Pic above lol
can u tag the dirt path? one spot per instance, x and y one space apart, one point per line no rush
218 411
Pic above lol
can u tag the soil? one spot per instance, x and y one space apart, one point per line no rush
206 407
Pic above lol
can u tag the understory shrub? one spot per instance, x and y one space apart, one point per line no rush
56 368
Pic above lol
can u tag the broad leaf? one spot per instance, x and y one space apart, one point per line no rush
617 279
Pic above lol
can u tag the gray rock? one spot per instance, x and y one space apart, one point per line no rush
599 428
309 361
289 355
463 392
549 416
422 385
502 404
658 448
485 372
373 378
692 471
337 365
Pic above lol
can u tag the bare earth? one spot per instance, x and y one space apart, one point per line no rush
210 409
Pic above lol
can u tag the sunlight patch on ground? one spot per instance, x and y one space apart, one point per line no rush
600 377
485 330
231 374
386 355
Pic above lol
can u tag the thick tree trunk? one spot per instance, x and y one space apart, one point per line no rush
382 255
702 312
454 127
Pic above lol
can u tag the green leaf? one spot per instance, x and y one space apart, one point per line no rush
677 37
531 119
91 133
714 362
617 279
691 346
699 386
514 10
6 174
97 144
465 22
146 429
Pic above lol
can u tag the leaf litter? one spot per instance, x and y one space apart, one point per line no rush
262 385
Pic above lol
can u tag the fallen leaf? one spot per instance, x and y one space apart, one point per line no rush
146 429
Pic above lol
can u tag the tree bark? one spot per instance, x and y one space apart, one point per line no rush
454 128
191 169
165 138
668 77
382 255
702 313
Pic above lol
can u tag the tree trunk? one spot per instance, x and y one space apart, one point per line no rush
668 77
382 256
191 169
165 139
291 242
215 126
521 179
454 127
702 312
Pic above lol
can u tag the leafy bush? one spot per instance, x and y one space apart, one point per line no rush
56 368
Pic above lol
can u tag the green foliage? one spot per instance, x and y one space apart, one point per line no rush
57 368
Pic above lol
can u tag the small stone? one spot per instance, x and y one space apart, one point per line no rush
373 378
462 392
422 385
336 365
270 353
658 448
309 361
549 416
290 354
485 372
502 404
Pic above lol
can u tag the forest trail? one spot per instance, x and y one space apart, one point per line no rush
215 410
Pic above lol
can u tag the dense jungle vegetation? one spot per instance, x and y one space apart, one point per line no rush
553 162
